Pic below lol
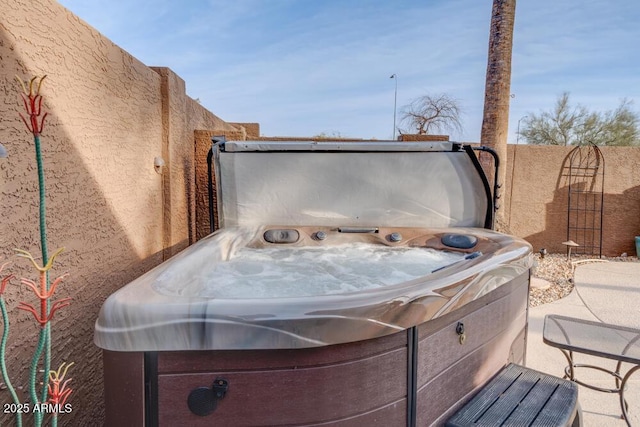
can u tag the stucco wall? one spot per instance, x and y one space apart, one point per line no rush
109 116
536 197
252 129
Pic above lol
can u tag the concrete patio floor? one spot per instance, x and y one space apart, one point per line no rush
604 291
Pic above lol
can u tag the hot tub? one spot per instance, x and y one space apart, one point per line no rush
350 284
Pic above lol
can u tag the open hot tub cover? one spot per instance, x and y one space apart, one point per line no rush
383 184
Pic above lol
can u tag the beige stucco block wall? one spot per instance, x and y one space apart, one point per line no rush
621 199
252 130
181 115
104 199
109 116
532 199
536 197
200 118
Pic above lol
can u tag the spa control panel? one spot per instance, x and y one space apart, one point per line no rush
290 235
315 236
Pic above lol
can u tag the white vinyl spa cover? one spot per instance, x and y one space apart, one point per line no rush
399 184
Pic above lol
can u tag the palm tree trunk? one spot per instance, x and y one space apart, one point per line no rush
495 122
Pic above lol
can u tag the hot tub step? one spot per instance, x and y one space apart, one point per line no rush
520 396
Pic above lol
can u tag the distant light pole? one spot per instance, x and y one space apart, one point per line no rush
395 103
518 131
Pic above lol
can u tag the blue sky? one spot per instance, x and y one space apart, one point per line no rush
304 67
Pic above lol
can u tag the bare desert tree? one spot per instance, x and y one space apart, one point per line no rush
431 113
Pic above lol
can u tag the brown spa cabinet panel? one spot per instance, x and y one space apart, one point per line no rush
353 384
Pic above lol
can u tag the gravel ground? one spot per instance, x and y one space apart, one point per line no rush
556 269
